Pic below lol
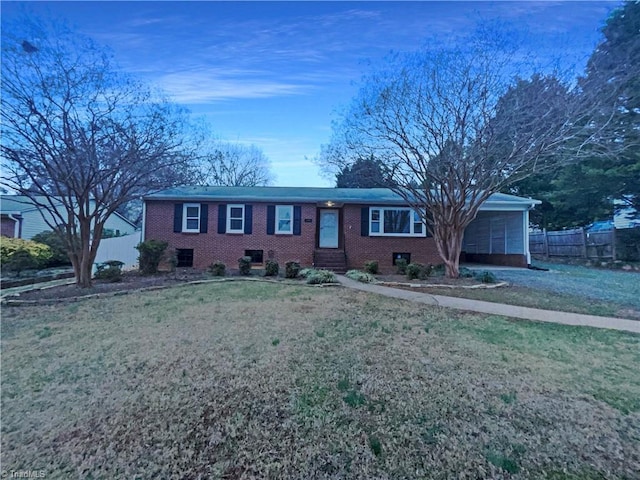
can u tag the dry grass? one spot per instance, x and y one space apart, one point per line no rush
256 380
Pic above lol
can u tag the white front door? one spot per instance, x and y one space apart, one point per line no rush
328 229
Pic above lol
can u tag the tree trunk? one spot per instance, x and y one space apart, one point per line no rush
84 279
449 244
85 262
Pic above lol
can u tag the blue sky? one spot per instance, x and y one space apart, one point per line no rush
273 74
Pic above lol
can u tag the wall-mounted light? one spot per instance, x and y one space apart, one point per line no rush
330 203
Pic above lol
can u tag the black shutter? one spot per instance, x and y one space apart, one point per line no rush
177 217
248 219
364 221
297 220
204 218
271 219
222 218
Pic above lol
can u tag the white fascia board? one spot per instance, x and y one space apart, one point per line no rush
507 206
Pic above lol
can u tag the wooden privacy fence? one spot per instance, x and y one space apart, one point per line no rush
576 243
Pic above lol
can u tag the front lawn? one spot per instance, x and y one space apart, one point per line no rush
259 380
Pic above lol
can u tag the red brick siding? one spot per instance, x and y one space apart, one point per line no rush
212 246
7 227
361 249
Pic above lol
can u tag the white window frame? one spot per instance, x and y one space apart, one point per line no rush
185 218
380 221
277 226
237 230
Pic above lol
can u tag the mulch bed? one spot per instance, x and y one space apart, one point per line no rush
130 281
429 281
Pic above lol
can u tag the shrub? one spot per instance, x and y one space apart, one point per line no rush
17 254
244 265
438 270
371 266
151 254
320 276
172 260
20 261
485 277
59 256
271 268
304 273
111 233
359 276
465 272
628 244
401 265
217 269
111 271
291 269
418 270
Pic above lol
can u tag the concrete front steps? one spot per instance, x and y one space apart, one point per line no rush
334 260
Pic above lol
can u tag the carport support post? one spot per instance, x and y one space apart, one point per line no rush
613 244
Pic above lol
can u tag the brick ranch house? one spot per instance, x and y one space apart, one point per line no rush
337 228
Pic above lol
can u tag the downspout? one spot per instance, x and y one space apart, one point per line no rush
526 233
17 226
144 219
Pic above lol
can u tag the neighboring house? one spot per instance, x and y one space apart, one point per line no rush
626 217
21 218
338 228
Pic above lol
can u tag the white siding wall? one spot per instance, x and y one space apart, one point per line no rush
33 223
496 232
120 248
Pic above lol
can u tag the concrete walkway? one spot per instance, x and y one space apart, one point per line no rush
469 305
7 292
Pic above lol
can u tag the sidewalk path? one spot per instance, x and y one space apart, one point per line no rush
469 305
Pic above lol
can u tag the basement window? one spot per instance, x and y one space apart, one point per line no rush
185 257
257 256
399 255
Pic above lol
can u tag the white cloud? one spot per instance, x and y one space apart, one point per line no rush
194 87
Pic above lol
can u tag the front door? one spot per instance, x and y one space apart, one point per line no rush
328 229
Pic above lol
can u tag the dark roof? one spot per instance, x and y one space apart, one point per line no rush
367 196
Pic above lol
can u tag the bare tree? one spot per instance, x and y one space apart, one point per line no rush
236 165
454 126
79 138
